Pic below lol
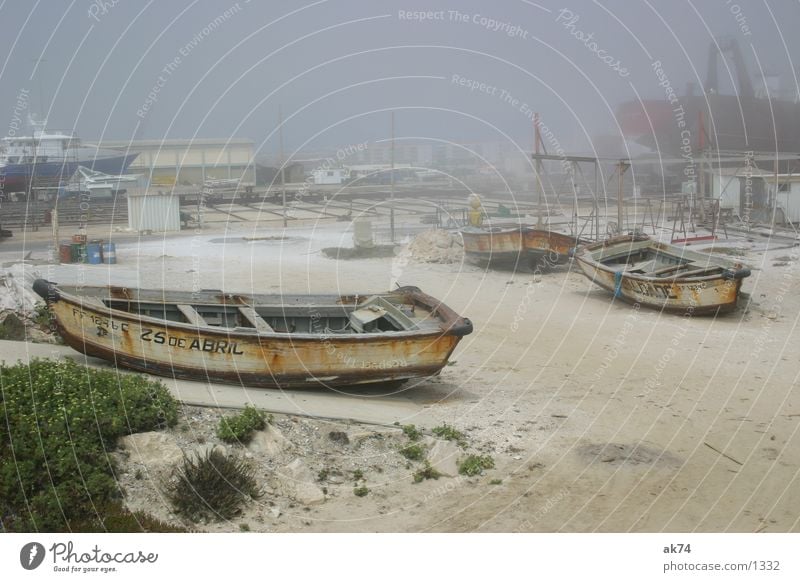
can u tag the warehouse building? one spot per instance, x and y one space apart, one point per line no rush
191 161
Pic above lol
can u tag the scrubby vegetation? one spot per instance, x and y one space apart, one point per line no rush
413 452
427 472
361 491
239 428
211 486
475 465
42 315
59 422
411 432
449 433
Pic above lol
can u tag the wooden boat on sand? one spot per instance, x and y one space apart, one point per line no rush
286 341
638 269
547 248
511 246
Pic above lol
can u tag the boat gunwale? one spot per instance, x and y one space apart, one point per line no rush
730 269
449 322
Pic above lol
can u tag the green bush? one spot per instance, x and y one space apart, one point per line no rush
58 422
42 315
361 491
239 428
114 518
413 452
449 433
475 464
411 432
211 486
427 472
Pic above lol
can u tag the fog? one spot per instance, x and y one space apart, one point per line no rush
464 72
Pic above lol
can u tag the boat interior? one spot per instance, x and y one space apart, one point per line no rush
270 314
653 260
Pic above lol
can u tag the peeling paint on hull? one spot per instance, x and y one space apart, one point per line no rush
698 295
517 245
247 357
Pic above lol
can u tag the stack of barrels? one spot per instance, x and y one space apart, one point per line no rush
93 252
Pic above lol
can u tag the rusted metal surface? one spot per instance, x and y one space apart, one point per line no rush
548 248
493 246
697 283
248 357
510 246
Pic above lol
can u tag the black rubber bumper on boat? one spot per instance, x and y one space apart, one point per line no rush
45 290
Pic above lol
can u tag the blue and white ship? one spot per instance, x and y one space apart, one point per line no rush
48 159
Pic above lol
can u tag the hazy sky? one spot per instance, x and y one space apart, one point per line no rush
119 69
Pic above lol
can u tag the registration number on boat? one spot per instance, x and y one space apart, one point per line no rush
202 345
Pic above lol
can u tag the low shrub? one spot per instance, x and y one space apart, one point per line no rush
411 432
239 428
60 421
211 486
413 452
427 472
360 491
449 433
114 518
475 465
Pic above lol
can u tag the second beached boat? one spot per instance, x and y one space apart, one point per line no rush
638 269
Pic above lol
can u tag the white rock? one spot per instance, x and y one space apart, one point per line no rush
443 456
152 449
269 441
201 451
296 481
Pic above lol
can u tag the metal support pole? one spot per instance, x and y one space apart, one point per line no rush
537 139
595 205
391 191
54 221
620 173
283 165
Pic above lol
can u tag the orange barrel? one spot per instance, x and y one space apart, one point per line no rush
65 253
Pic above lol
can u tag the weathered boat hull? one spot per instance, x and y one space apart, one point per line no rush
496 247
510 247
251 358
693 295
545 248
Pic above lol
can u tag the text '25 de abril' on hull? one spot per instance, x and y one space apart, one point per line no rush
285 341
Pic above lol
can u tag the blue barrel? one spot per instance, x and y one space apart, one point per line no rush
95 253
110 253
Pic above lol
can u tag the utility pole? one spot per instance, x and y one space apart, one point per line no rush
622 166
54 225
391 190
537 139
702 147
283 164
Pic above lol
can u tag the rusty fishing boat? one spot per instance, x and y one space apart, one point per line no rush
510 246
495 246
547 248
638 269
286 341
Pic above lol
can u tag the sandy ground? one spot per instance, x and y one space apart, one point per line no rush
599 417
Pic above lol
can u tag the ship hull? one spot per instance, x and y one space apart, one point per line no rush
19 177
